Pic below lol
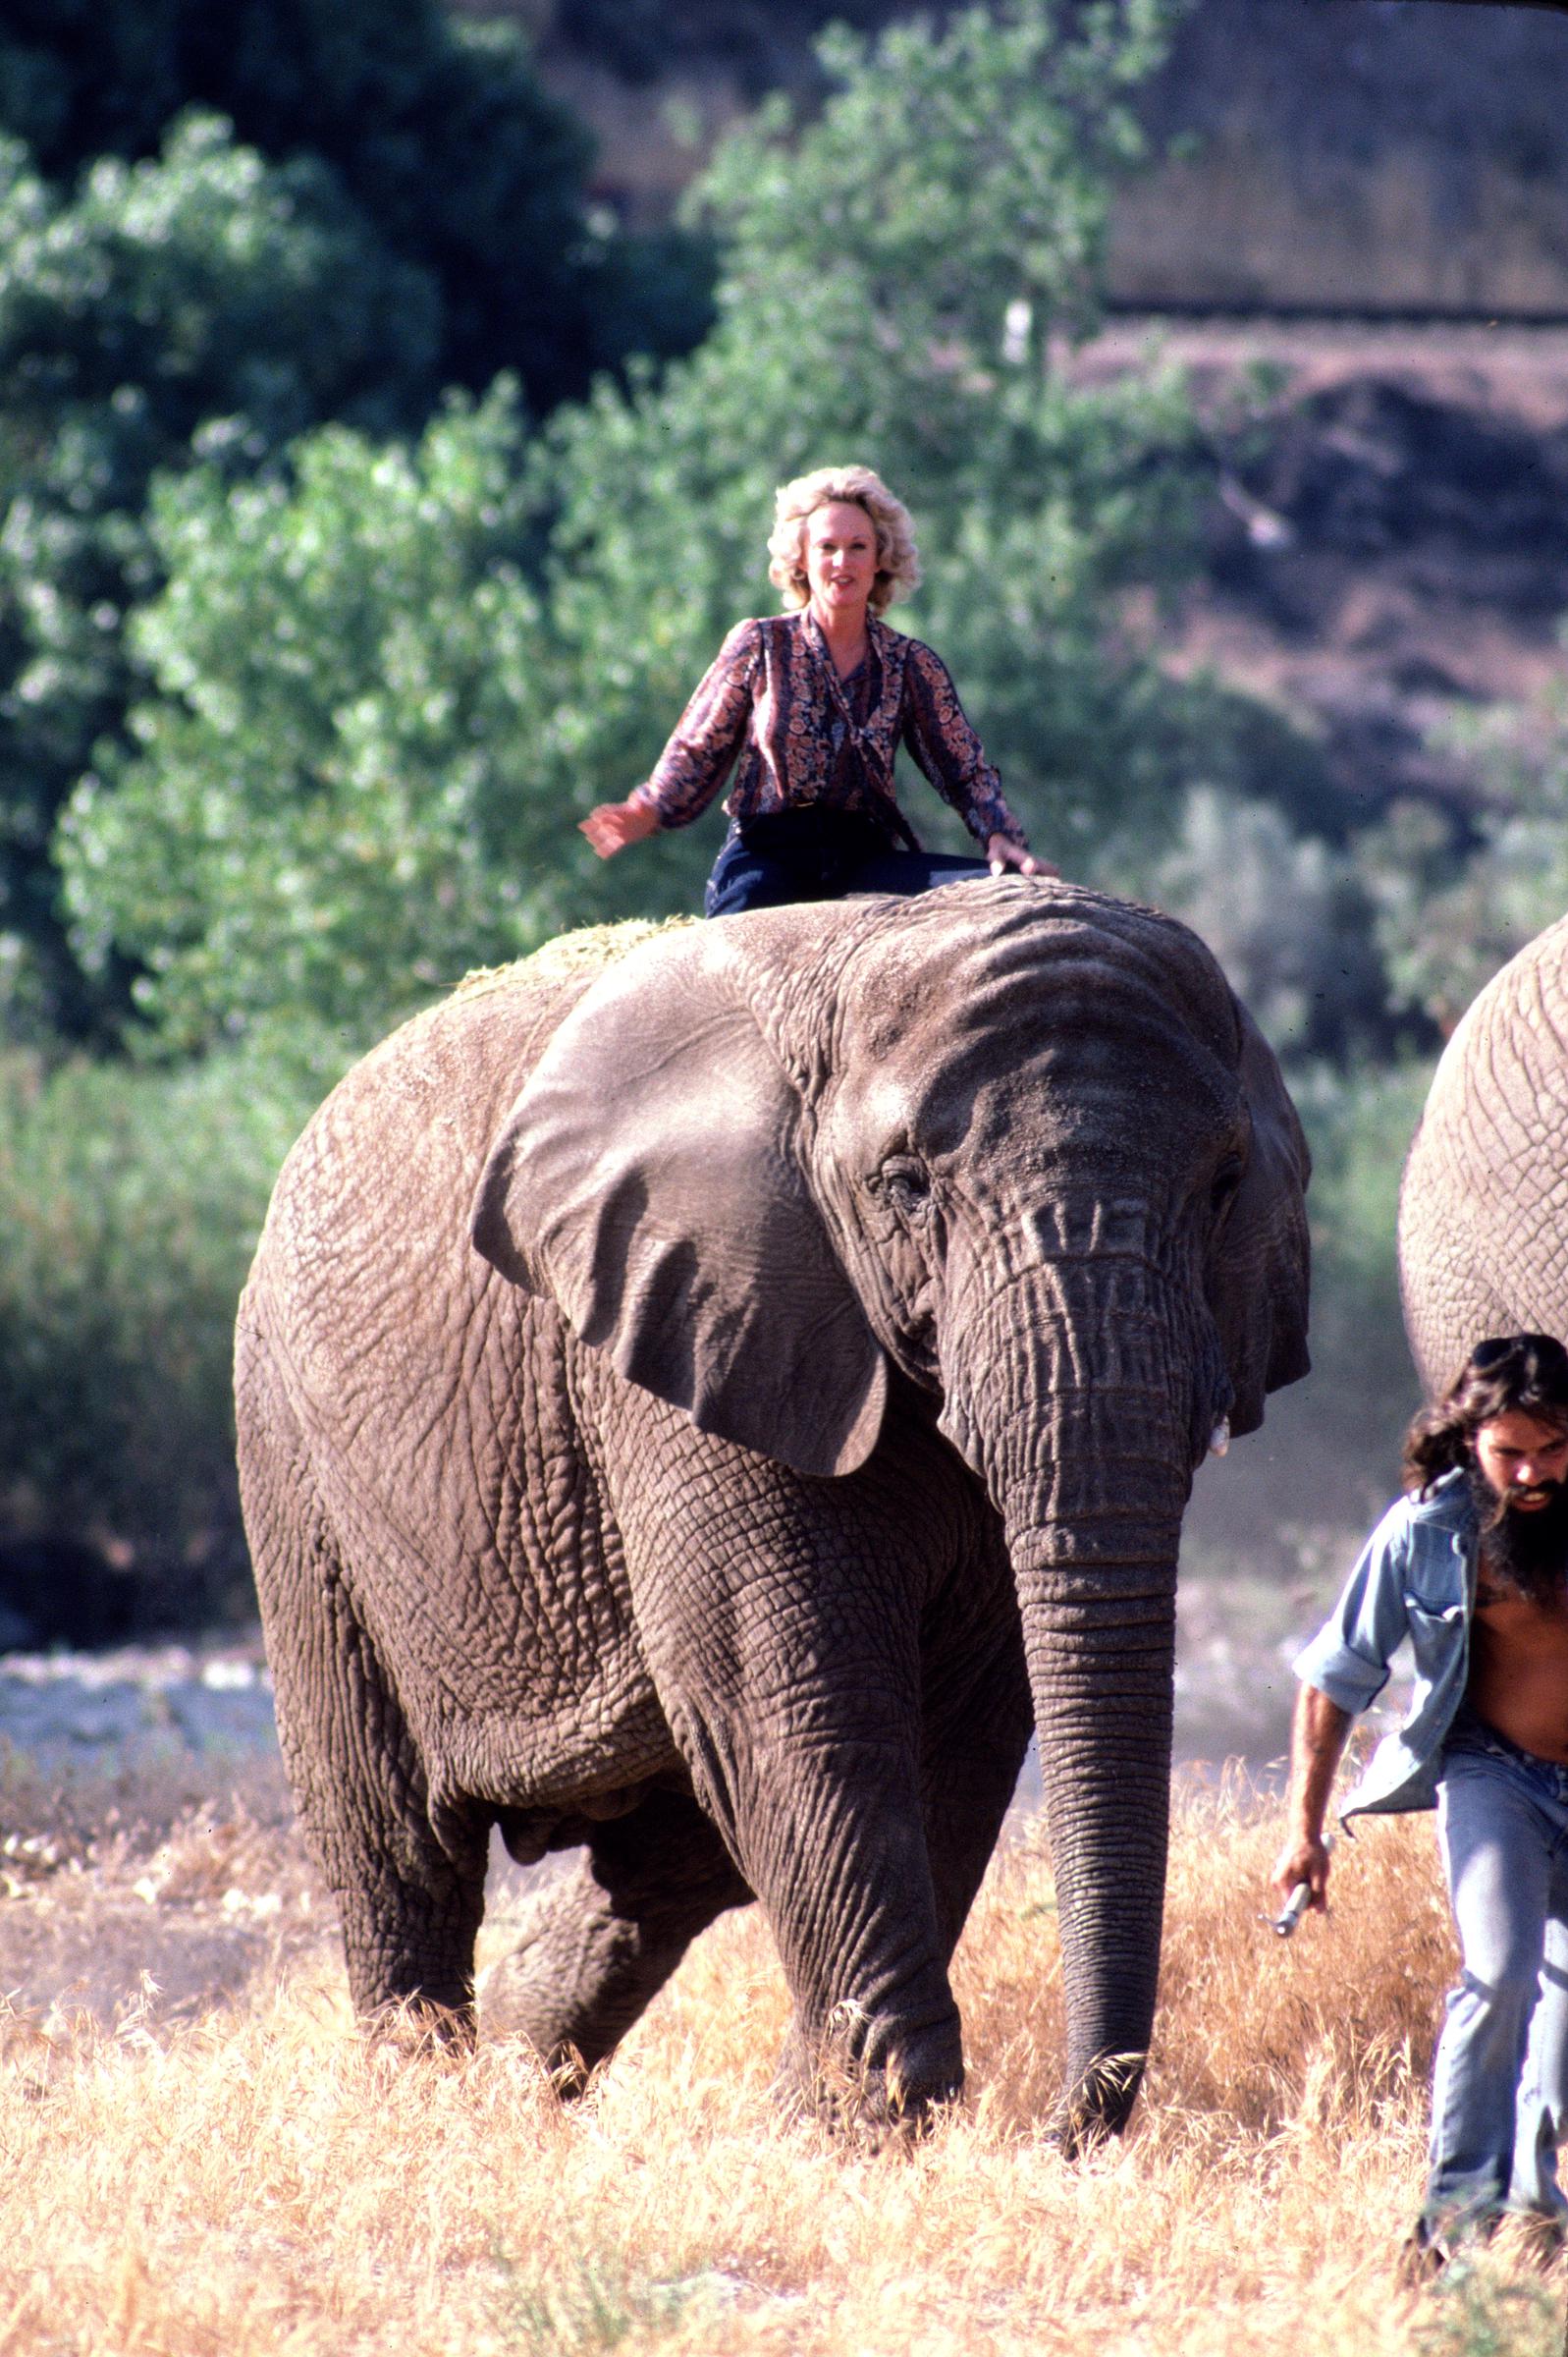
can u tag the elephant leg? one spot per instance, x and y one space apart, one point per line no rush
814 1774
409 1893
598 1944
411 1903
838 1847
978 1721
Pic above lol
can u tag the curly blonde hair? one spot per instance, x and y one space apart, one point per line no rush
897 563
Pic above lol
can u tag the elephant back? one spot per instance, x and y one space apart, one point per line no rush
1483 1204
377 1191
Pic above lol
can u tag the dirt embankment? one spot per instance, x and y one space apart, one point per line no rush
1390 539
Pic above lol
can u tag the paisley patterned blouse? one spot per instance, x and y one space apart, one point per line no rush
774 697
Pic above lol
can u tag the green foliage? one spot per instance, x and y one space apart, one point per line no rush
962 183
213 280
434 128
231 227
326 810
1359 1124
1289 1506
205 285
1456 904
895 277
1284 913
129 1207
383 695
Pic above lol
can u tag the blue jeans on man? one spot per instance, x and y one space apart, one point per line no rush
1500 2084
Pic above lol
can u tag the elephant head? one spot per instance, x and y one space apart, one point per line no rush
1018 1142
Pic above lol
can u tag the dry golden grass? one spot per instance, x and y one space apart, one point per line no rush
586 949
244 2177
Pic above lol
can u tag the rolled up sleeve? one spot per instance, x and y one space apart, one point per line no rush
1348 1659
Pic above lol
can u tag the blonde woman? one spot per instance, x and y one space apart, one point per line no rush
813 704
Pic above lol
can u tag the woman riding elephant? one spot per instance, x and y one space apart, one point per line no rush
816 702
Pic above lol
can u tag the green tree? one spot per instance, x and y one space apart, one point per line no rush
1457 898
382 696
434 127
901 280
399 208
323 810
203 286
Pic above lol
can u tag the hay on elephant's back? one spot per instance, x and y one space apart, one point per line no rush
592 948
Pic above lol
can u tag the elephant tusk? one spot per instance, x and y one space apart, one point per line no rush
1219 1437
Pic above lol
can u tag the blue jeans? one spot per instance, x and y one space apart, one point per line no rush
1499 2098
818 854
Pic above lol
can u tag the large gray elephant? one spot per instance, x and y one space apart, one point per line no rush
1483 1204
857 1286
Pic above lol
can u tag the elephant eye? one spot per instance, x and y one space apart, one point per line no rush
1222 1188
905 1186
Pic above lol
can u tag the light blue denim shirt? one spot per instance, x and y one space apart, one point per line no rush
1416 1578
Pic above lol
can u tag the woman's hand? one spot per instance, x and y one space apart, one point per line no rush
1003 854
614 825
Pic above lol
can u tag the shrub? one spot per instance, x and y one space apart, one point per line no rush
130 1202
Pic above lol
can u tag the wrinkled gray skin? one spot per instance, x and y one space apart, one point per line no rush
1483 1206
857 1286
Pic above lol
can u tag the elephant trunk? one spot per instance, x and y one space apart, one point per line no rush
1092 1474
1099 1638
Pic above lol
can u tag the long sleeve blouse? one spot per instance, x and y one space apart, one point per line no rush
773 702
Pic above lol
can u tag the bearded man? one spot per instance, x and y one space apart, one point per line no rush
1472 1567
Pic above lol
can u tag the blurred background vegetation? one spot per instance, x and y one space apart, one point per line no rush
370 500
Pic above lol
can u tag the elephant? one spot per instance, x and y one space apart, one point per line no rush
1484 1192
704 1395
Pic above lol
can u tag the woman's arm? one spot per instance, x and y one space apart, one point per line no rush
936 730
698 758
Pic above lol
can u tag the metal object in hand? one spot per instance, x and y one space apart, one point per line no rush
1291 1913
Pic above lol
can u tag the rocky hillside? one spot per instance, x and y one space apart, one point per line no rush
1391 535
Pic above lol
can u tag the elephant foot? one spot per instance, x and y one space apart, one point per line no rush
865 2085
414 2030
594 1947
1098 2105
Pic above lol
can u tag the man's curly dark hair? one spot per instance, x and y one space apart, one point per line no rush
1527 1372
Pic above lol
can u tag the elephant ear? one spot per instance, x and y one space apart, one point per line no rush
1262 1261
649 1181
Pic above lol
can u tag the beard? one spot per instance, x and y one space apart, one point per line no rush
1529 1552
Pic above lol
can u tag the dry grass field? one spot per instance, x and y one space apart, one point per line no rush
200 2156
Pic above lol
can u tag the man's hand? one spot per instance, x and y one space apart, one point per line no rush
614 825
1003 854
1304 1859
1317 1735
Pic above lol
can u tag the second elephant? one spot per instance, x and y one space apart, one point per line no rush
856 1289
1483 1204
